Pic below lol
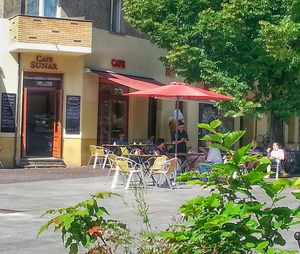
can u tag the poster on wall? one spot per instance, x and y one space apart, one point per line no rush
73 114
8 112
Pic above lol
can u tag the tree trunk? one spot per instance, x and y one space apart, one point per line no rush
276 129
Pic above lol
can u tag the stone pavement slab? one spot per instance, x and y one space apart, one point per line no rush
22 203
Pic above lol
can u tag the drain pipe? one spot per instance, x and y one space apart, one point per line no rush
297 237
17 109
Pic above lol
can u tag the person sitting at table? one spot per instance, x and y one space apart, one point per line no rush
150 141
160 148
150 144
121 140
276 156
213 156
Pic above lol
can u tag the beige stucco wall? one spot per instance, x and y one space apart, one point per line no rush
8 84
192 111
137 120
262 127
142 59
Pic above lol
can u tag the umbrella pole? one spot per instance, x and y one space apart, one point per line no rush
176 131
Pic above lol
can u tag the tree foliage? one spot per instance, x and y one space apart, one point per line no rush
239 47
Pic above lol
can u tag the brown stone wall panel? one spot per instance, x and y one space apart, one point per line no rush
51 31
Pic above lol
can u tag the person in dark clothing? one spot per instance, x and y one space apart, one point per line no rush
182 138
160 148
121 140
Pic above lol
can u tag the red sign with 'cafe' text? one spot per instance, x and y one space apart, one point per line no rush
118 63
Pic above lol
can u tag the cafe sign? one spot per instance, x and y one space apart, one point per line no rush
43 62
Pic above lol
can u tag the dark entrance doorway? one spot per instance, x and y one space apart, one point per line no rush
42 111
40 120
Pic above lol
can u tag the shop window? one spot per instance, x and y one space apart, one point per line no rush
115 16
47 8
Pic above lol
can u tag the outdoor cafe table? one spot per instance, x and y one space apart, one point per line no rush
115 148
141 159
191 159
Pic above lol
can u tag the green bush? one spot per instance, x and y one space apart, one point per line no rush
84 225
232 219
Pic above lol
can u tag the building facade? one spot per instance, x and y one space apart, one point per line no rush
64 66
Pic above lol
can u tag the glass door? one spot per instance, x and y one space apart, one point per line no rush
40 121
42 114
113 111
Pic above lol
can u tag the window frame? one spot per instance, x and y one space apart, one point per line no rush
115 16
41 9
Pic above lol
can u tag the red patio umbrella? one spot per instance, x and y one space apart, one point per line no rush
180 91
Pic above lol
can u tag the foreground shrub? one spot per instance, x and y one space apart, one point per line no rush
84 225
232 219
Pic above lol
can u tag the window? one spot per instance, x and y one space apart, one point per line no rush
48 8
115 16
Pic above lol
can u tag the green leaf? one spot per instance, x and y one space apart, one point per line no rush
297 183
250 245
73 248
168 235
282 211
67 220
44 227
88 241
232 137
271 189
83 213
215 124
279 240
254 176
195 182
99 213
262 246
212 137
238 155
102 195
206 126
226 234
296 195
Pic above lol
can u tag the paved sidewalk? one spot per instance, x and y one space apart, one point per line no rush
22 203
19 175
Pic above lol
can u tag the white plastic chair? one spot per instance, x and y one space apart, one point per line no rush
100 156
166 170
112 165
277 167
128 168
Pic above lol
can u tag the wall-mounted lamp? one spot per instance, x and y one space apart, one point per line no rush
87 70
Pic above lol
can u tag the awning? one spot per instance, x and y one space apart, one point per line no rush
134 82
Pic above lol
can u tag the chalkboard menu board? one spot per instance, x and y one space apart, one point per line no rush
73 115
8 112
